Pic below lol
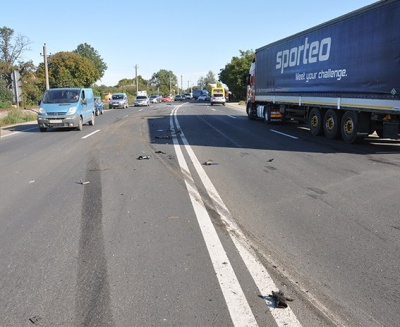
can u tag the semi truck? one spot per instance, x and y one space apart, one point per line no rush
341 78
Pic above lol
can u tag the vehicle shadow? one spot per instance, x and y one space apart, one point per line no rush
242 133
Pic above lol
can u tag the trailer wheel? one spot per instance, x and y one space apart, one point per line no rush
315 122
250 111
332 124
349 127
267 115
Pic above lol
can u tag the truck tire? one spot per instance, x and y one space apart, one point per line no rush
332 124
349 127
250 111
315 122
267 115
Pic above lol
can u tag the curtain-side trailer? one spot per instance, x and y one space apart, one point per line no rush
341 77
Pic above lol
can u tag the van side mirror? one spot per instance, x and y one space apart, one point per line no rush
39 102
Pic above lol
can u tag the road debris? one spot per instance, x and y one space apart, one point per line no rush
34 320
209 162
82 182
270 160
280 299
159 151
143 157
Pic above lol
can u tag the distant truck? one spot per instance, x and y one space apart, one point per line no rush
341 77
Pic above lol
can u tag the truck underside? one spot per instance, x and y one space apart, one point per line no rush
351 119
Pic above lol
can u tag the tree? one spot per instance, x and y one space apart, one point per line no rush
87 51
11 50
68 69
232 74
210 78
165 80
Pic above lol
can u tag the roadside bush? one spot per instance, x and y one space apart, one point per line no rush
6 95
16 116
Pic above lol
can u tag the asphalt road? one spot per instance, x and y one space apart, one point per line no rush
219 212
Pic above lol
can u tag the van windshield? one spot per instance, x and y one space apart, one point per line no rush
61 96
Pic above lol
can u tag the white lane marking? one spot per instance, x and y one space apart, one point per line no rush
235 299
258 272
284 134
83 137
232 116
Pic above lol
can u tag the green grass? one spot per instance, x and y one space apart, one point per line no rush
17 116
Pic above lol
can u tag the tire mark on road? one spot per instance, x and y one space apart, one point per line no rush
92 301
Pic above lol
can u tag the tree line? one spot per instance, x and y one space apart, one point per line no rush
83 67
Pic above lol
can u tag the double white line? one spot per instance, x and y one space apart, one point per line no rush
236 301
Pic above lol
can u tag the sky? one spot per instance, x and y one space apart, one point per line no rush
190 38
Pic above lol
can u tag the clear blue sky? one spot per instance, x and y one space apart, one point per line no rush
190 38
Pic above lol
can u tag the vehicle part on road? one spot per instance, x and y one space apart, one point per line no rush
280 299
143 157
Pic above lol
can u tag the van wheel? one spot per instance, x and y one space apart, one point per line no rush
91 122
97 112
80 125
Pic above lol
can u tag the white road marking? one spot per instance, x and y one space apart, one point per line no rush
83 137
284 134
232 116
258 272
236 301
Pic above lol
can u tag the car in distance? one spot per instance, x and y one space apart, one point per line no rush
154 98
142 100
118 100
179 97
98 106
188 96
203 97
166 98
218 98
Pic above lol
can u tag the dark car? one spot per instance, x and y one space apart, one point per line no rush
98 106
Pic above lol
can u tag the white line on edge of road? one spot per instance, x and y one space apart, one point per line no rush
235 299
260 276
97 130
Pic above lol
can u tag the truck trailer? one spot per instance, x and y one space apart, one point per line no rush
342 77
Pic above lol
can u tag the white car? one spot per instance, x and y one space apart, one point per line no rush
218 98
141 100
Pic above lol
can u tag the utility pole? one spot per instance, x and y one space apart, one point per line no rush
181 84
137 82
46 69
